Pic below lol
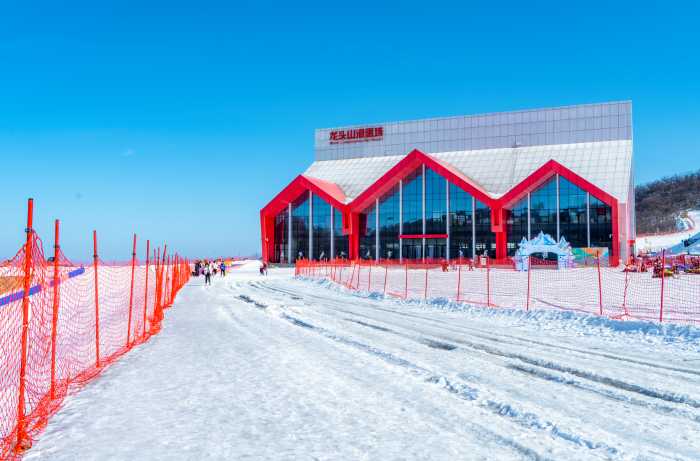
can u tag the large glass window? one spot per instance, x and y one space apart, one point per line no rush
516 226
485 238
322 228
300 227
368 232
281 234
413 203
389 217
461 221
543 210
340 241
435 203
601 224
572 214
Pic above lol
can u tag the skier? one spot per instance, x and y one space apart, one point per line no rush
222 266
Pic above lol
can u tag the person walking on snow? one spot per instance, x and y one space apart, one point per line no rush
207 273
222 266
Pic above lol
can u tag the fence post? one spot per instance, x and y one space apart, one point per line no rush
425 291
663 283
488 281
131 292
386 275
166 281
405 288
529 270
359 270
145 296
600 287
624 296
97 301
459 280
22 442
369 278
56 301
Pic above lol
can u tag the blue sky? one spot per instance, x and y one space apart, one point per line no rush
179 122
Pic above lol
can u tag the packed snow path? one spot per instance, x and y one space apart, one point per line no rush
276 368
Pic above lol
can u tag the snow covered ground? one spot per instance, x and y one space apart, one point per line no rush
280 368
655 243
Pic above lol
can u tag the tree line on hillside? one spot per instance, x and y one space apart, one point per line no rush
658 203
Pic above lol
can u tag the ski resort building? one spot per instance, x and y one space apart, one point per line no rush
460 187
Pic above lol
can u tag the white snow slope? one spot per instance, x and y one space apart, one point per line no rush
659 242
281 368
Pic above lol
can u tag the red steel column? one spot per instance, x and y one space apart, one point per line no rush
56 300
97 301
600 288
22 443
145 299
131 293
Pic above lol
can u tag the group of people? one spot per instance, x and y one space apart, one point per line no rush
672 267
207 268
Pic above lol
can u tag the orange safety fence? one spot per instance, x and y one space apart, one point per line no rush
62 323
664 289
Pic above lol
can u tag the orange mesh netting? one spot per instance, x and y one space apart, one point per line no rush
661 289
61 323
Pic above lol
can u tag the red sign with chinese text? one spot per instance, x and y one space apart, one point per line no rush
356 135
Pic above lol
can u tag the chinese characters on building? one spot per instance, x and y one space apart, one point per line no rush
356 135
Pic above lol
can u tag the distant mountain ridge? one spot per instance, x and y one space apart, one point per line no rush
661 204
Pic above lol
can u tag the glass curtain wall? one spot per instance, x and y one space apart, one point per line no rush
413 214
461 223
601 224
485 238
340 241
435 214
389 217
543 210
413 203
435 203
572 214
281 234
300 227
516 225
368 236
322 228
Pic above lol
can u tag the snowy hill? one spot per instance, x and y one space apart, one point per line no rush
671 241
660 204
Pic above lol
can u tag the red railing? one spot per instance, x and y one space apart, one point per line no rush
651 293
62 323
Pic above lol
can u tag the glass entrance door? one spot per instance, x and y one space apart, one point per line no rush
412 249
436 248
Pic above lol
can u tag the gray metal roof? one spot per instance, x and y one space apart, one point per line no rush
606 164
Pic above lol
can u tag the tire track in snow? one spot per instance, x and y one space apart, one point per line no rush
613 382
508 410
526 420
489 335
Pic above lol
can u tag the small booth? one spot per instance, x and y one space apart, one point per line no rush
545 244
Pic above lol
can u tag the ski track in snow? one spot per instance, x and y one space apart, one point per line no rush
284 368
